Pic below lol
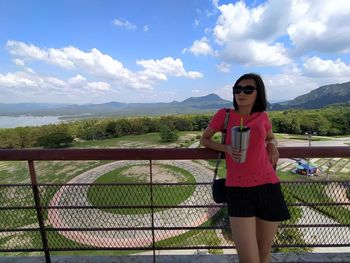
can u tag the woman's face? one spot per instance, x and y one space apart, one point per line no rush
246 100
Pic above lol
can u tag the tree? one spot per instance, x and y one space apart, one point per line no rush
183 123
55 140
167 134
110 128
200 122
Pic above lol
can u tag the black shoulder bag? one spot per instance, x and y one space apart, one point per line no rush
218 186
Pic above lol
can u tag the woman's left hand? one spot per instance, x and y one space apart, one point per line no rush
273 154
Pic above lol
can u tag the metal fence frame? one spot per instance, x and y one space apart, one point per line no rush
150 155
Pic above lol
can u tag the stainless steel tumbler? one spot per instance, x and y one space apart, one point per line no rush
240 141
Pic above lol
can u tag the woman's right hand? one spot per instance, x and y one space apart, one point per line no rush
235 154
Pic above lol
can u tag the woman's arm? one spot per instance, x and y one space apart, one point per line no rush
271 145
206 140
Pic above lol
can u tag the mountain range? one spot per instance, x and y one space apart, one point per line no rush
318 98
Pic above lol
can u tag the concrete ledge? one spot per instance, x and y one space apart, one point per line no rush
276 258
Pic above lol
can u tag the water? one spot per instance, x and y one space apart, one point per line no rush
21 121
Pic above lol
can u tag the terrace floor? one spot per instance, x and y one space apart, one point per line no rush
223 258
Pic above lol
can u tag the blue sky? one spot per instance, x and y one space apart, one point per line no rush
164 50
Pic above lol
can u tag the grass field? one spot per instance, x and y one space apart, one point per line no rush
302 137
141 141
139 195
63 171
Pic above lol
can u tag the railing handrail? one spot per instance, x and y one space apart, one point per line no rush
146 154
157 153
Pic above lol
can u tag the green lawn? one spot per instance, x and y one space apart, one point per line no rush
302 137
144 140
138 195
63 171
312 193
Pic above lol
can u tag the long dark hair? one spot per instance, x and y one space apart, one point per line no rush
260 102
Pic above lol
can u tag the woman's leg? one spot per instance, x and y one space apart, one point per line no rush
265 234
244 236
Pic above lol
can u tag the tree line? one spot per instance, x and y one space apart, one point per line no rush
329 121
334 120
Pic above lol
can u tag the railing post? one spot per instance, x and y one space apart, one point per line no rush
39 210
152 211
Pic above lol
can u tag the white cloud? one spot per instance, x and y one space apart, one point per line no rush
247 35
146 28
78 79
250 35
323 22
304 22
29 70
196 23
41 85
99 86
195 91
23 50
317 67
31 52
19 62
225 92
53 82
59 57
224 67
200 47
121 22
166 66
289 85
101 66
215 3
17 79
253 53
262 23
207 30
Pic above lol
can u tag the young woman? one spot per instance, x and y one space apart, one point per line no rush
255 202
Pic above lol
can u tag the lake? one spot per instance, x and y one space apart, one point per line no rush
21 121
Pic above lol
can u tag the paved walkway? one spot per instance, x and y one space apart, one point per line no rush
323 235
67 218
96 218
332 142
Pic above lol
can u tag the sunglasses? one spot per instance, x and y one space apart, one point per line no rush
246 89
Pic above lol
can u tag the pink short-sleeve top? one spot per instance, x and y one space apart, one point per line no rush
257 169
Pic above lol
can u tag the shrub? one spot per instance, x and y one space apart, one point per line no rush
55 140
168 135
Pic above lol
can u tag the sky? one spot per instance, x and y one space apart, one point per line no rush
96 51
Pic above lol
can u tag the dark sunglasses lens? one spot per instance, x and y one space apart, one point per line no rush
237 90
248 89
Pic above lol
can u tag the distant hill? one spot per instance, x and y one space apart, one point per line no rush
202 104
318 98
211 101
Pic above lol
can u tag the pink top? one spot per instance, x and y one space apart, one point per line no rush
257 169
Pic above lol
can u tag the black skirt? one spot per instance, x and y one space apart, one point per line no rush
263 201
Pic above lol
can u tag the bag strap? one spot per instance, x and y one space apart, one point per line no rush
223 137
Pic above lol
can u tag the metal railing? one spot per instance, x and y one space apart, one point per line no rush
156 215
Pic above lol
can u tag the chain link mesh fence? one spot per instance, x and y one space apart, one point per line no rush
134 216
